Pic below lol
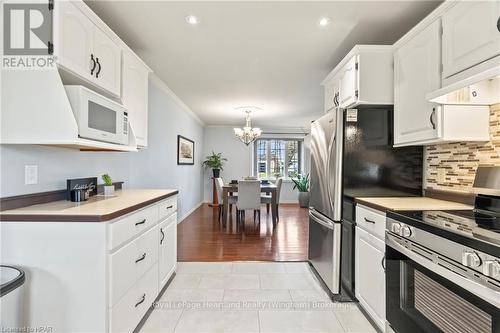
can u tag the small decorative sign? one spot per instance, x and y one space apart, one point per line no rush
89 184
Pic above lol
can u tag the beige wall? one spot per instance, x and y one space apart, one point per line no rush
458 161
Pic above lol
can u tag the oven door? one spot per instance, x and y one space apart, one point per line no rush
419 298
102 119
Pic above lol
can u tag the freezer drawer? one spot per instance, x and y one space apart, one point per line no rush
324 249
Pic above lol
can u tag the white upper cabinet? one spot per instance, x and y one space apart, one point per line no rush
108 60
83 49
470 35
135 96
73 34
348 83
364 76
417 71
331 94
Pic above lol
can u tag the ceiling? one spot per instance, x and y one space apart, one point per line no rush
272 55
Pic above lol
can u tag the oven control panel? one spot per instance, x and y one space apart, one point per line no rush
480 262
402 230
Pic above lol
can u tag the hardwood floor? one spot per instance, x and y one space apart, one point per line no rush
200 237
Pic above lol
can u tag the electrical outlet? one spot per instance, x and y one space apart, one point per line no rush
30 174
441 175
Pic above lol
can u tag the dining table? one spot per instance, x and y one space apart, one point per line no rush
230 188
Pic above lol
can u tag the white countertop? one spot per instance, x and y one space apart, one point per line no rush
411 203
97 208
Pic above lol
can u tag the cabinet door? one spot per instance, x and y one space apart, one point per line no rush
470 35
108 57
416 73
331 91
135 96
168 249
73 44
348 84
370 275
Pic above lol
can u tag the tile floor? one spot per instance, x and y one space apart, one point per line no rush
250 297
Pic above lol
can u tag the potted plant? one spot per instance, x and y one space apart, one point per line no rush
109 188
215 161
301 182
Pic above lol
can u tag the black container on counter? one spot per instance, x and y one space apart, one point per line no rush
79 195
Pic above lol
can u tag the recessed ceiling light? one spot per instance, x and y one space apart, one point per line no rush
191 19
324 21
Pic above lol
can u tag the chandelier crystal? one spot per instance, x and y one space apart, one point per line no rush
247 134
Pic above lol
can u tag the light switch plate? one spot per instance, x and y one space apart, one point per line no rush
30 174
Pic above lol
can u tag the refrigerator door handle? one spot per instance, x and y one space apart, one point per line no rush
321 220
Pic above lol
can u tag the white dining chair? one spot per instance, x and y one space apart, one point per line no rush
219 183
268 199
248 199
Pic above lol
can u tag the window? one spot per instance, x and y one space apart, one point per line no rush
274 158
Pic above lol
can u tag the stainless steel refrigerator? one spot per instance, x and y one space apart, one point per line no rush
352 155
326 198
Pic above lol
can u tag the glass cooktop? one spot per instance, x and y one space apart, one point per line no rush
468 223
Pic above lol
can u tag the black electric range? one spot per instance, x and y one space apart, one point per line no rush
478 228
443 269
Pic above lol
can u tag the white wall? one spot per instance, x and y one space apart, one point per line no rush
221 139
55 165
156 166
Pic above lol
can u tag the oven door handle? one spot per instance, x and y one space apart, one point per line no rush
489 295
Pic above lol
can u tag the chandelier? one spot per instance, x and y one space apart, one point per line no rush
247 134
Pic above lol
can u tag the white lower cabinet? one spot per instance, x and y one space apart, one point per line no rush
369 269
125 315
167 259
95 276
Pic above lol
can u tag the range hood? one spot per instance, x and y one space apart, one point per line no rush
482 88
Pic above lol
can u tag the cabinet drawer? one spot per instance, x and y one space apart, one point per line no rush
167 207
125 315
131 225
371 221
130 263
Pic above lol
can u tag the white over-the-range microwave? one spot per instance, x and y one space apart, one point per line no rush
98 118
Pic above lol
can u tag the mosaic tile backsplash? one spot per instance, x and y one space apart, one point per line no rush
452 166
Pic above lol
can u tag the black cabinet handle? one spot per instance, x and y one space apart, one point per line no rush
369 221
143 298
93 64
99 69
383 262
171 206
142 222
431 118
498 24
141 258
162 236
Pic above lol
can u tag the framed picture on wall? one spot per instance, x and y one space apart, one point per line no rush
185 151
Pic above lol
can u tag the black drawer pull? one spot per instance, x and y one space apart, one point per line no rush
142 222
369 221
143 298
171 206
141 258
162 236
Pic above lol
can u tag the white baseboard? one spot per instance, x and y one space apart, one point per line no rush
190 212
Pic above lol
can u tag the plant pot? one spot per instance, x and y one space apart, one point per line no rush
109 190
216 173
304 199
